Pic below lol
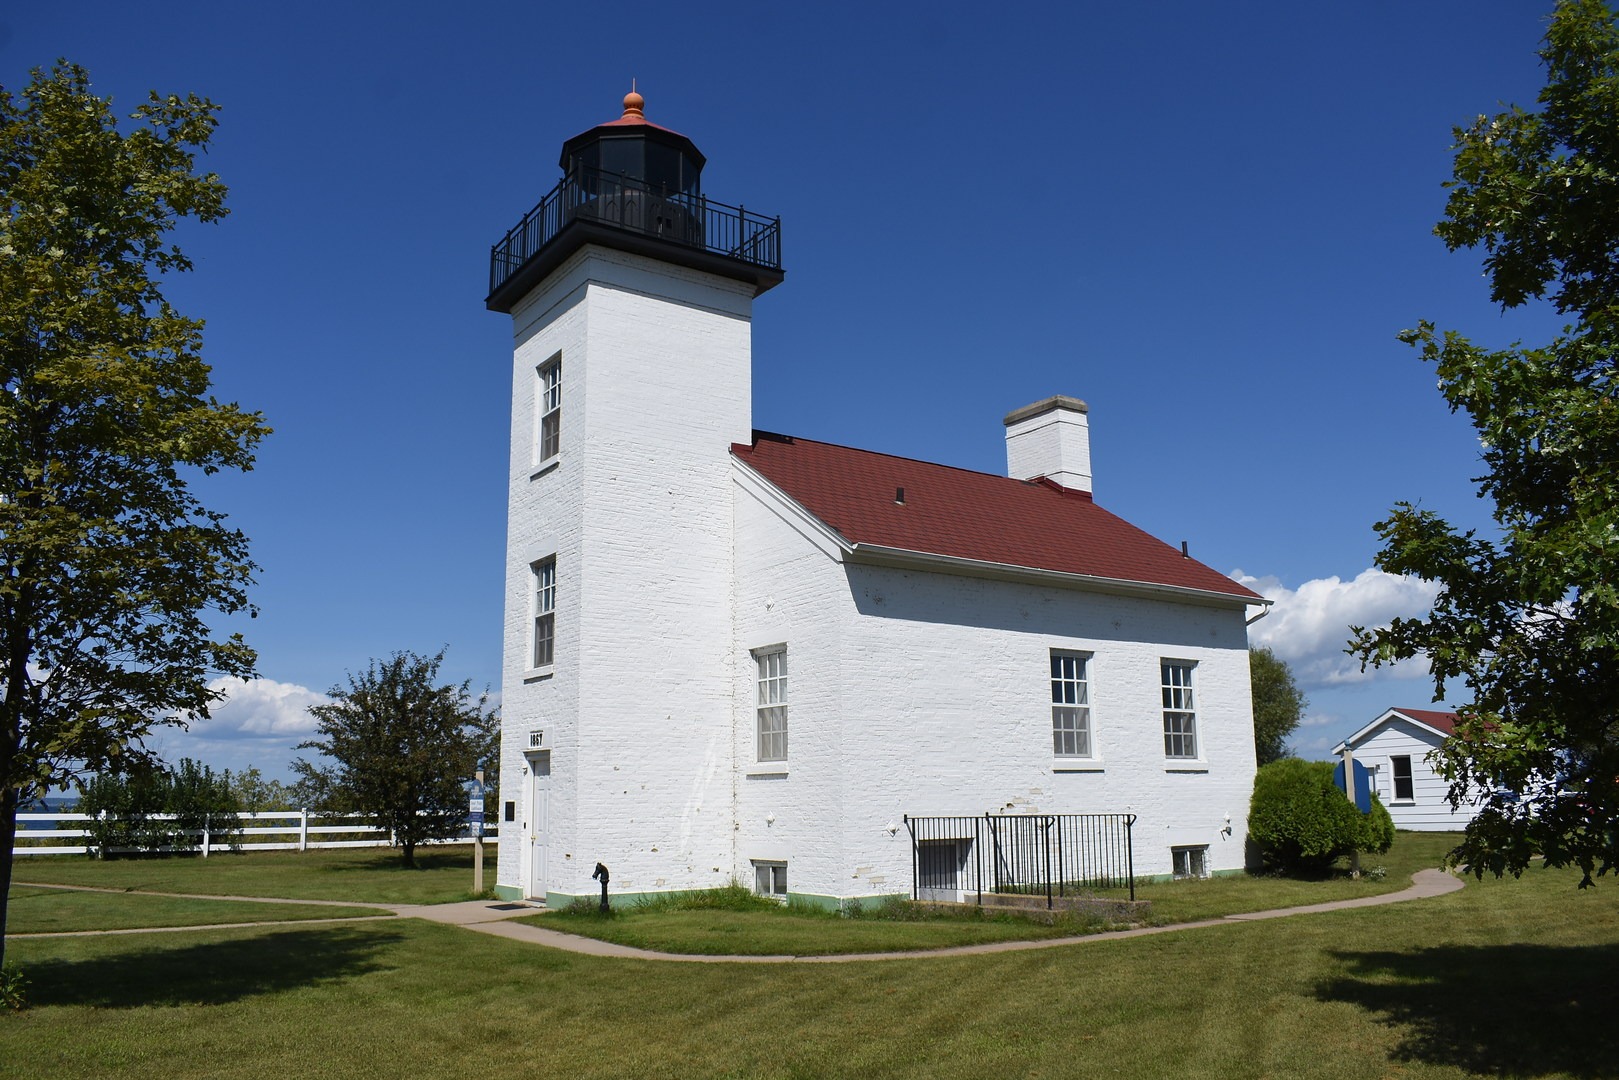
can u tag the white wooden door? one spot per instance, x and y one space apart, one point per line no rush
539 822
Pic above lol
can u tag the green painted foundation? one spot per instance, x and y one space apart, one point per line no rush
558 900
1159 879
839 903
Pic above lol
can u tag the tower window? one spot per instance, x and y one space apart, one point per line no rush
548 395
543 653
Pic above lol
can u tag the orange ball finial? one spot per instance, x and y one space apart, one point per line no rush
633 105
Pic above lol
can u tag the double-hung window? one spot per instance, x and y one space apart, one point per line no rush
548 409
772 704
1180 712
1404 789
544 604
1070 705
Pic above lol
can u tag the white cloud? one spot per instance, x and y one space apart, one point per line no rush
260 707
1319 719
1309 626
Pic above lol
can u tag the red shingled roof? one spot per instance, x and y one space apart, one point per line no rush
1443 721
970 515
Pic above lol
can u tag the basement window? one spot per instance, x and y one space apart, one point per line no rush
770 879
1190 861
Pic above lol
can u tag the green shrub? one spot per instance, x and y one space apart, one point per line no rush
732 897
127 808
13 990
1301 822
589 907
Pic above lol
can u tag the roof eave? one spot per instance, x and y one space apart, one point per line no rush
1387 717
879 555
794 511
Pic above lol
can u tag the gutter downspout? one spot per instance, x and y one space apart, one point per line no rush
1262 612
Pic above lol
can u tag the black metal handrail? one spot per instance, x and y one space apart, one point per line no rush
621 202
1050 854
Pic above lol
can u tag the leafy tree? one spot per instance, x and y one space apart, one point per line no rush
401 748
108 562
1278 703
123 805
1301 822
1529 618
152 809
254 793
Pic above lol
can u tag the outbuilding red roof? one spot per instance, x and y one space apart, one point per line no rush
977 516
1443 721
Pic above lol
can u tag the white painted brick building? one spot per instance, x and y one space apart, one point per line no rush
737 655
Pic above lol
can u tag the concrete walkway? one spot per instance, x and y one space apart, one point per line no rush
493 917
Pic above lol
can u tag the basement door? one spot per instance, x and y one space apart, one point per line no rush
939 866
539 822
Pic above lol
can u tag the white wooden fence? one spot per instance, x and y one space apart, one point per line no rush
267 830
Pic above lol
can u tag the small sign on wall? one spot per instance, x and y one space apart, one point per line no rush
536 739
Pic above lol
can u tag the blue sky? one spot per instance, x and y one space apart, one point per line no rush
1207 220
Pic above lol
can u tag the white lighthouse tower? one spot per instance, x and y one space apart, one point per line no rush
631 300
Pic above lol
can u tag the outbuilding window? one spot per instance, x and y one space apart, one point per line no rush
1404 789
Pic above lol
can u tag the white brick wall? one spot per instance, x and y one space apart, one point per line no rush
909 692
656 384
928 694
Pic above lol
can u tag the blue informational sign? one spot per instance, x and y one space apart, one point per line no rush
1363 785
475 808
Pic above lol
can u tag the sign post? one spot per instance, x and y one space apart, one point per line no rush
1350 789
1355 781
475 819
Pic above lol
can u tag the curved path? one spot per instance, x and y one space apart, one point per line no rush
490 917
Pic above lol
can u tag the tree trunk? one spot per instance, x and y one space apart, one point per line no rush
8 844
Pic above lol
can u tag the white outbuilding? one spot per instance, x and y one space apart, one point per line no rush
1395 747
829 673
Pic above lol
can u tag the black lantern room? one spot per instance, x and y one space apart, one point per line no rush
631 149
632 185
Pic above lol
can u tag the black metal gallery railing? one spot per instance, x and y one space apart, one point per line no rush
955 858
620 202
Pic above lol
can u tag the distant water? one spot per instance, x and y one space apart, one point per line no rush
52 804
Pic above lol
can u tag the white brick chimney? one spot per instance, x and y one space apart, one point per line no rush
1051 438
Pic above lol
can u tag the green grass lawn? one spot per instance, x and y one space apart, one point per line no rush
41 911
766 929
357 875
1509 978
1211 898
784 932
